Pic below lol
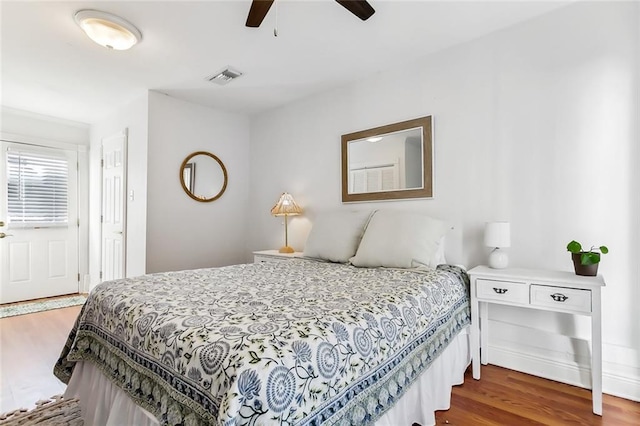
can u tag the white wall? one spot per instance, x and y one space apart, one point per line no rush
134 117
536 124
40 126
28 127
181 232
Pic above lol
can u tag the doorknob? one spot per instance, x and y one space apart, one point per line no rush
1 223
3 235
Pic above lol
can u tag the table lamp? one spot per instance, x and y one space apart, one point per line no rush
498 236
286 206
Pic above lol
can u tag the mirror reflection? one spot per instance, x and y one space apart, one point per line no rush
189 174
388 162
203 176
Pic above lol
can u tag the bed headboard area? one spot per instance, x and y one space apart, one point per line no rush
453 244
384 238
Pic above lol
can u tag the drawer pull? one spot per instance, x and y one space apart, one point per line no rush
500 290
559 297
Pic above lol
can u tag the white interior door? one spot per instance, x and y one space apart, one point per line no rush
39 211
114 190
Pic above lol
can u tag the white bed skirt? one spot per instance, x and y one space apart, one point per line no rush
103 403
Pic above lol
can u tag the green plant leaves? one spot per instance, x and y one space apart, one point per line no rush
574 247
589 258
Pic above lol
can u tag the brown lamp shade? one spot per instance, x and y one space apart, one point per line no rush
286 206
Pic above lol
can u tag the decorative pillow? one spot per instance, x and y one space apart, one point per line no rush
397 239
335 235
439 257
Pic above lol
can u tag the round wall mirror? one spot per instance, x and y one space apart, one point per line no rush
203 176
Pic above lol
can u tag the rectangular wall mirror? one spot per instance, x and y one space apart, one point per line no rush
390 162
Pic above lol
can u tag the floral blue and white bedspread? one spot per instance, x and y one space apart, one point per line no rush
296 342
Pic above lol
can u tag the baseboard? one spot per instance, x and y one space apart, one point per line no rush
570 373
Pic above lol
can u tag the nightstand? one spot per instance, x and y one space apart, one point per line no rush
273 256
553 291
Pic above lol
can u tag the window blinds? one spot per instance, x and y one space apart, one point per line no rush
37 189
374 179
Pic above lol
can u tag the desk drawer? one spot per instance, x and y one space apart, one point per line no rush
507 291
560 298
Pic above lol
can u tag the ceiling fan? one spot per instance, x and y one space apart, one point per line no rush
259 8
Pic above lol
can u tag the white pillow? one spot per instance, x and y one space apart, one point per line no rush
396 239
438 258
335 235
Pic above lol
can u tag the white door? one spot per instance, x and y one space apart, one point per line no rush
38 206
114 190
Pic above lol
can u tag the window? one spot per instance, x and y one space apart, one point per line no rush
37 188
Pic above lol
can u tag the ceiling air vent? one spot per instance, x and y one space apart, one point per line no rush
225 76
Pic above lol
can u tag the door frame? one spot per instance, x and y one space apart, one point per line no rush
82 195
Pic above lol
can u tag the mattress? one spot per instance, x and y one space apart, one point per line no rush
296 342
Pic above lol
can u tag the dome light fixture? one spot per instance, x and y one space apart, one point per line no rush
108 30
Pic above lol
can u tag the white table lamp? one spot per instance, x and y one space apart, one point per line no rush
498 236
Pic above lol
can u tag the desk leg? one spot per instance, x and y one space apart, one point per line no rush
484 332
596 352
475 332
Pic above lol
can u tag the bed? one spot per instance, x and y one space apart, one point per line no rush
299 342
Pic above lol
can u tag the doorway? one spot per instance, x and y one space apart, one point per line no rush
114 204
39 215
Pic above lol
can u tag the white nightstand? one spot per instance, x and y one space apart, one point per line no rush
554 291
273 256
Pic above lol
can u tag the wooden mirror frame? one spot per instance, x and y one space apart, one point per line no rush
191 194
427 162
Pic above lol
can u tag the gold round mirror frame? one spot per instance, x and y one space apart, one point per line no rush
202 199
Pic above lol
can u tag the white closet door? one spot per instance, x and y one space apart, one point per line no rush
114 190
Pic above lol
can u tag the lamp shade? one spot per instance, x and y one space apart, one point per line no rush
286 206
497 234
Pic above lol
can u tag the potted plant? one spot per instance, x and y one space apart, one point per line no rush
586 262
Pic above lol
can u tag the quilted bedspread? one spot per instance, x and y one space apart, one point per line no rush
295 342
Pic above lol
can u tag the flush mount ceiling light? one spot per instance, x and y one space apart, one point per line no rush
108 30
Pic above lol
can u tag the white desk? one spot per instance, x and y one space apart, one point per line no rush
554 291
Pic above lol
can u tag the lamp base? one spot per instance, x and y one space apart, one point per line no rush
498 259
286 249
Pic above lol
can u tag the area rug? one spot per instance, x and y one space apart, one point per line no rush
44 305
56 411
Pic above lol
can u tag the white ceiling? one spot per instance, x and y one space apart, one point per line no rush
50 67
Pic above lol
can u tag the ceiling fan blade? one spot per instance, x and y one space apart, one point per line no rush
361 8
258 11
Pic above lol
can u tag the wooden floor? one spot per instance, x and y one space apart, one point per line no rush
30 345
507 397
